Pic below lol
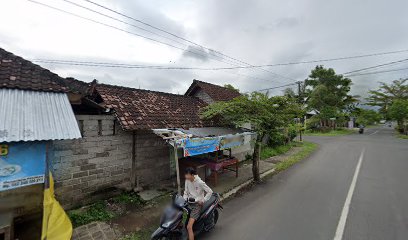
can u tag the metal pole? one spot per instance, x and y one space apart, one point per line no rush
177 168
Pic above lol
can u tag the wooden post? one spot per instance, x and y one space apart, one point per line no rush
133 170
177 168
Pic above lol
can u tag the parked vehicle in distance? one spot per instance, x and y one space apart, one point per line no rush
361 129
173 223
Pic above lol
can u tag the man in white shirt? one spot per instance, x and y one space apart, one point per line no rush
197 189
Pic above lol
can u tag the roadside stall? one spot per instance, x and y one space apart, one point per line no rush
208 150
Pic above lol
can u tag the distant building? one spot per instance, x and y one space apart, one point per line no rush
210 93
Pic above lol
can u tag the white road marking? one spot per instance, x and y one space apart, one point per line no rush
343 218
373 132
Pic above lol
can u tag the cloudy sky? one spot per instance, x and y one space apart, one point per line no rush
257 32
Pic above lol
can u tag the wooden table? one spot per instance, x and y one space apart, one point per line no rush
229 164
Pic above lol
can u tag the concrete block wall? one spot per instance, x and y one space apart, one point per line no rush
152 158
90 168
99 164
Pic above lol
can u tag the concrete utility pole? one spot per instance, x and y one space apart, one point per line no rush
300 102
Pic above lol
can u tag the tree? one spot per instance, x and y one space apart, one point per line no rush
387 93
328 93
367 116
399 112
263 113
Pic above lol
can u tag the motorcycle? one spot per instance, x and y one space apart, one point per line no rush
361 130
173 222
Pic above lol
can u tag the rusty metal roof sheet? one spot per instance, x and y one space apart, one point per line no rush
33 115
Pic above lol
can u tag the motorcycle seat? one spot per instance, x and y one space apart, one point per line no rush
208 203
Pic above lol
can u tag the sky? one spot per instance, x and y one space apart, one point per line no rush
256 32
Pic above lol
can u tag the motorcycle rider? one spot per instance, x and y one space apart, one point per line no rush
197 189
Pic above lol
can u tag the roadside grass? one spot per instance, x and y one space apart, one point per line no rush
402 136
267 152
331 133
104 210
307 149
95 212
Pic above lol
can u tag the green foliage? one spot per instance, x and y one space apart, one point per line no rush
386 94
129 198
330 133
266 115
95 212
267 151
263 113
367 117
328 93
308 148
399 112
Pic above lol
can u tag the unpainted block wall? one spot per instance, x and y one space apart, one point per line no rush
85 168
152 158
100 163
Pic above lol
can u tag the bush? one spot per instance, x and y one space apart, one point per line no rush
276 139
95 212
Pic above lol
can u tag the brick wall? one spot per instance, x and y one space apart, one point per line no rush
100 163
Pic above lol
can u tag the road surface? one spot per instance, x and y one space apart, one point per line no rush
353 187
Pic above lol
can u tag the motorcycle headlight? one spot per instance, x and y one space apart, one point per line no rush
167 224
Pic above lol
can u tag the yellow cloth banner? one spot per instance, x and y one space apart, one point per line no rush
56 224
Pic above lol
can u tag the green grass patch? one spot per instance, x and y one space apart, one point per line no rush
307 149
129 198
95 212
402 136
331 133
267 152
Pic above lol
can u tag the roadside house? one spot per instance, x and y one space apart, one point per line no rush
35 111
210 93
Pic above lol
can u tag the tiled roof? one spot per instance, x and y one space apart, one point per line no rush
217 93
18 73
144 109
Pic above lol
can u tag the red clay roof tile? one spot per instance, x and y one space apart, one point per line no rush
144 109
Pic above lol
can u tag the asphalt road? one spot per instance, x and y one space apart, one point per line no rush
307 201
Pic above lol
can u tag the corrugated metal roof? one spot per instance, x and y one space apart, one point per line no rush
33 115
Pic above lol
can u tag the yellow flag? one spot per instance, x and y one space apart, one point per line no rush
56 224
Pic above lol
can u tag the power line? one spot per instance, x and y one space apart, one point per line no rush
161 67
184 39
378 72
347 74
376 66
281 86
164 31
132 33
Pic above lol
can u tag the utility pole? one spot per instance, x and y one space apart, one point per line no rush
301 119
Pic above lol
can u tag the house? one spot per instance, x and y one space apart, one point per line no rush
210 93
35 111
